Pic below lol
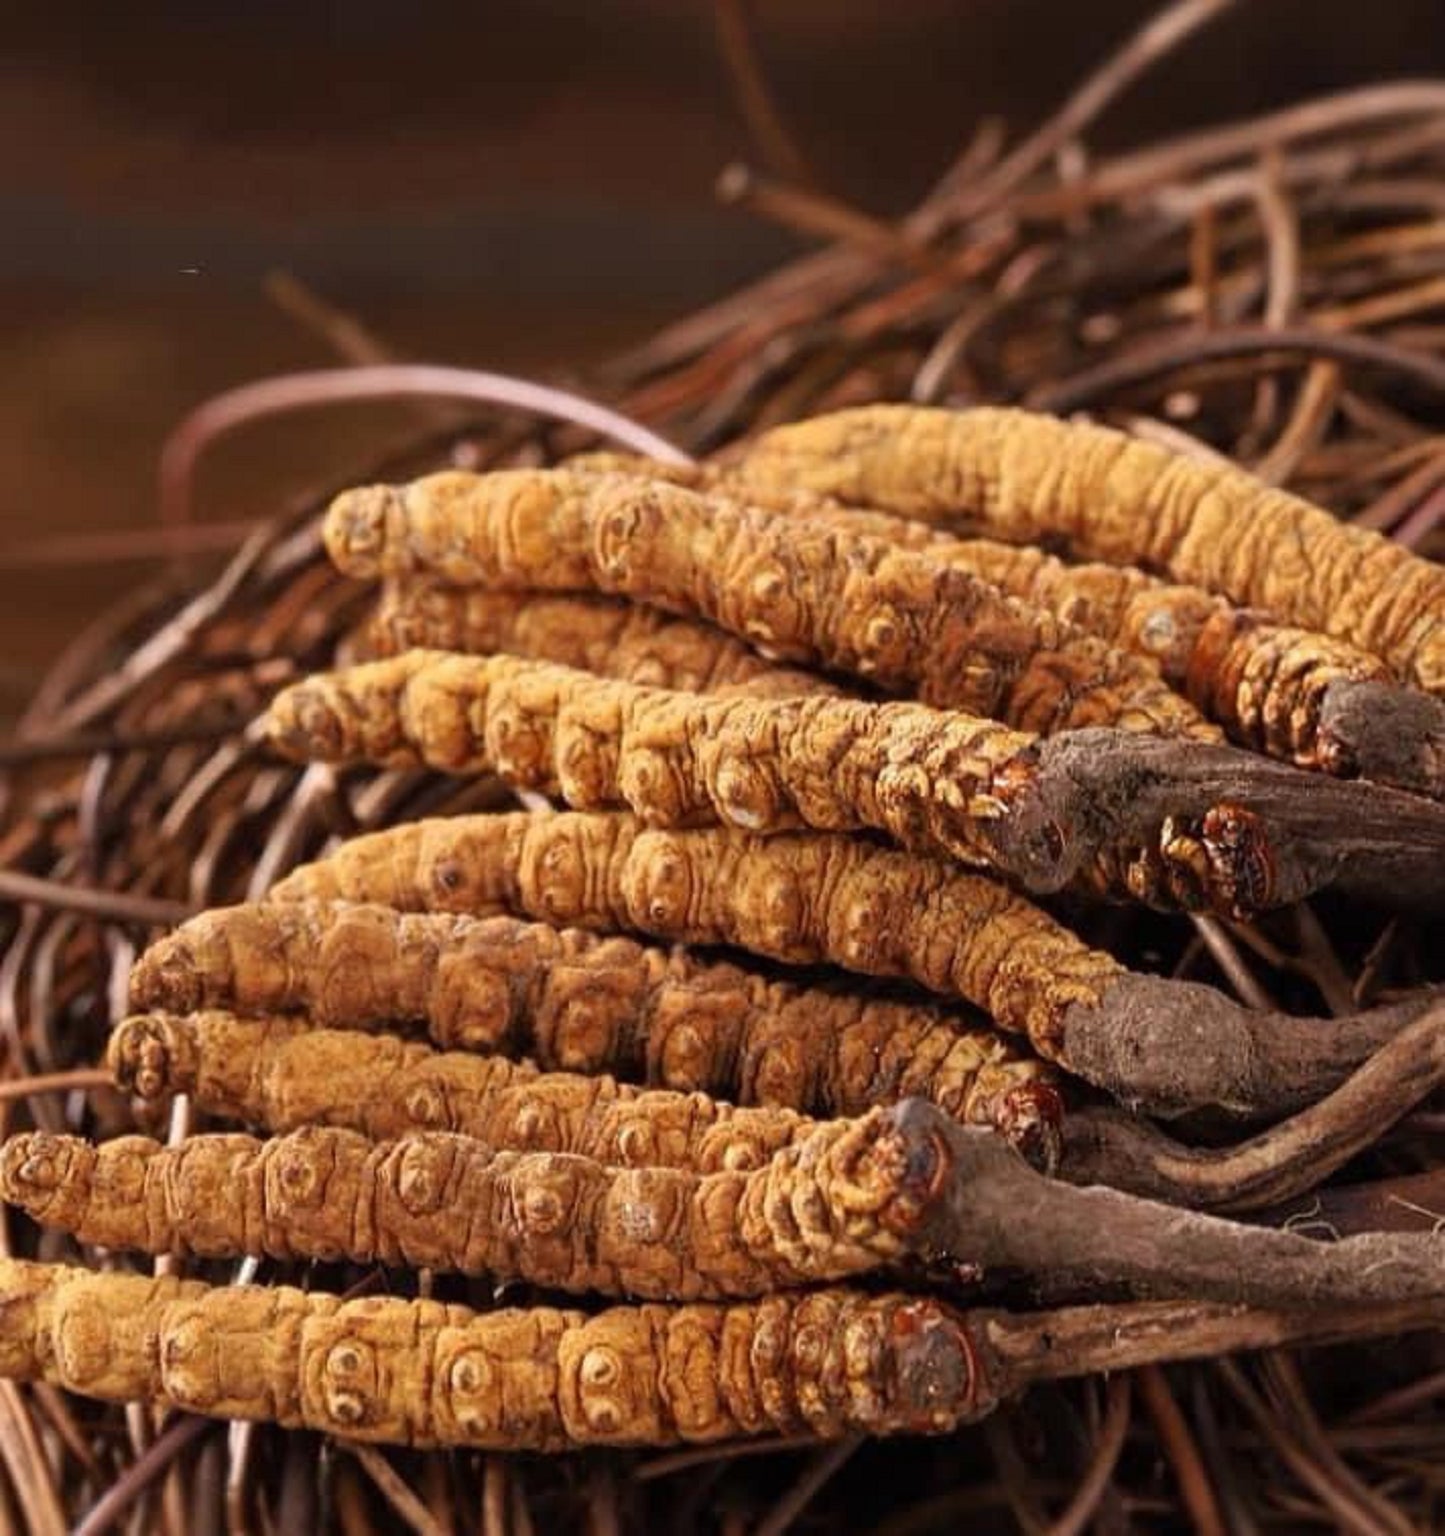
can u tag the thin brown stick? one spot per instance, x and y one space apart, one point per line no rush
1184 1458
39 749
1290 1398
142 1473
1153 41
104 547
395 1491
1076 1341
110 906
1101 1468
1342 1504
1280 1163
803 209
31 1473
1176 158
54 1082
1148 361
283 393
673 1462
346 335
825 1464
750 88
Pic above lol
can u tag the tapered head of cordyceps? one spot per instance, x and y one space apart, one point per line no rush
170 974
47 1176
1030 1118
898 1164
304 725
153 1055
933 1381
1022 822
356 529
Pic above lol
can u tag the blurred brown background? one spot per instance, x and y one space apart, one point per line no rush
519 186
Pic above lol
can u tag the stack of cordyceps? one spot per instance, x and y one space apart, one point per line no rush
893 736
826 703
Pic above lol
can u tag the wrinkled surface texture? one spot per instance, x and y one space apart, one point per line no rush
282 1074
1028 478
604 635
571 1000
538 1378
800 898
929 778
796 590
834 1204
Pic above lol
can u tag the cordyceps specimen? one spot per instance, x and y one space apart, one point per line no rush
1166 1046
572 1001
800 592
1032 479
424 1373
1126 815
1297 694
604 635
282 1073
837 1202
852 1197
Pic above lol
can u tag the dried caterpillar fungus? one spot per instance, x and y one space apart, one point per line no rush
1112 812
1297 694
939 780
604 635
797 897
580 1002
1031 479
1269 685
1168 1046
282 1074
841 1201
424 1373
802 593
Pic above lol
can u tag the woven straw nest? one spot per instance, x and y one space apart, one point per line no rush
1284 308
